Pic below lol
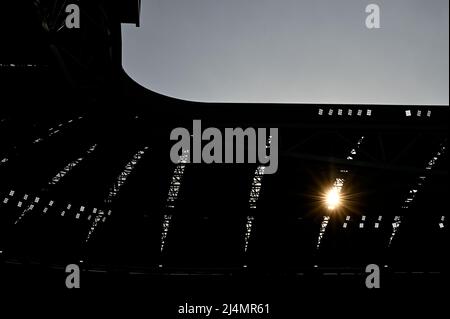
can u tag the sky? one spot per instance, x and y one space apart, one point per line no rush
291 51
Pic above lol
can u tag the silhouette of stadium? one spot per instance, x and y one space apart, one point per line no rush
86 177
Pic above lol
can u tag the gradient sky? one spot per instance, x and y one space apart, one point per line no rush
291 51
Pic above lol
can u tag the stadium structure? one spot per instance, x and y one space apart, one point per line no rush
86 177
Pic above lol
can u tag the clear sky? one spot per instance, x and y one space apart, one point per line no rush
291 51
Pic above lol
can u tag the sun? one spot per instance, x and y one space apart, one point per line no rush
333 198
